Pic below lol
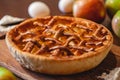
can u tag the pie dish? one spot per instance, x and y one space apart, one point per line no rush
59 45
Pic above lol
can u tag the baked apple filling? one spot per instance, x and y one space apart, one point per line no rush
61 37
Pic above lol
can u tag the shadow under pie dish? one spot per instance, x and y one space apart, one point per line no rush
59 45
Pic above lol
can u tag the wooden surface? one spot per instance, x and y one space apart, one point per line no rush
18 8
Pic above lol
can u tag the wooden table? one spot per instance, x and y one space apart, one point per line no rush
19 8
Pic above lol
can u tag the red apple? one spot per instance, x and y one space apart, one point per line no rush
90 9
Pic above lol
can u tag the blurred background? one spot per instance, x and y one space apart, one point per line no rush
19 8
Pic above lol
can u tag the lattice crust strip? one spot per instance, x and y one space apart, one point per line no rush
62 37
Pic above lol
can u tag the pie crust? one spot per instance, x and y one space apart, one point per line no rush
59 45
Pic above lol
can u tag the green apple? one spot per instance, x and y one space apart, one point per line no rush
5 74
116 23
112 7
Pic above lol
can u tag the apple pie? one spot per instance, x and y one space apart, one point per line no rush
59 45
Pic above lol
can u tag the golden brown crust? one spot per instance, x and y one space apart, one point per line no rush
59 45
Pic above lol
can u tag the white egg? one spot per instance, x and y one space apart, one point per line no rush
65 6
38 9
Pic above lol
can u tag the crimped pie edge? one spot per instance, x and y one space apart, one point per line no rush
57 66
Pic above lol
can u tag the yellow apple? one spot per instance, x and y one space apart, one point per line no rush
5 74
